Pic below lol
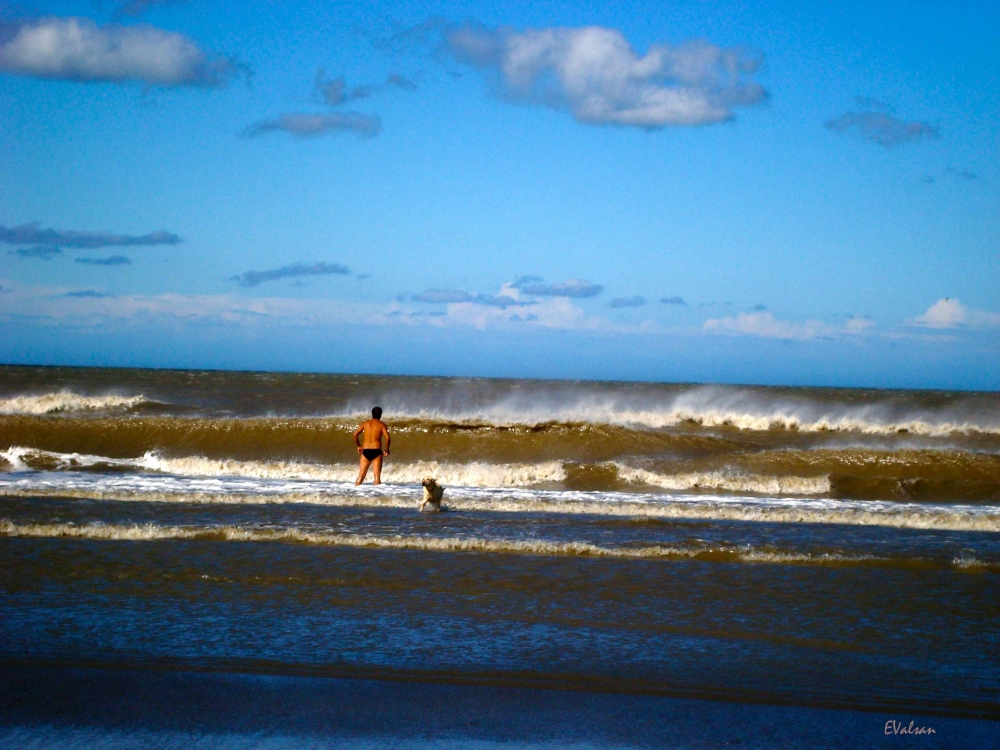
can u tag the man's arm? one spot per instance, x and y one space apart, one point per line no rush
387 439
357 442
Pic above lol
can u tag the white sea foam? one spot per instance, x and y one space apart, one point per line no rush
149 532
240 490
474 474
66 401
721 481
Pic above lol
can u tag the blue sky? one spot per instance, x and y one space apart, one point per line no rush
474 189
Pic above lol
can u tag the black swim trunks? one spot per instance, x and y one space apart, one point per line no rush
371 453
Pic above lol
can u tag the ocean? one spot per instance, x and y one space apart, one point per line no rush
803 548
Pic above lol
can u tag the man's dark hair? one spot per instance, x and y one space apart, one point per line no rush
377 412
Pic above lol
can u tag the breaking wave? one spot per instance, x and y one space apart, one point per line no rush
465 474
66 401
720 481
751 409
475 474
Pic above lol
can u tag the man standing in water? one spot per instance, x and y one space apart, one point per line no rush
371 447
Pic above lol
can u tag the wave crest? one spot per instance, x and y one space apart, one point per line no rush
66 401
720 481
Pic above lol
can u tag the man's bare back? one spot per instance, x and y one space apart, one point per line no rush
370 447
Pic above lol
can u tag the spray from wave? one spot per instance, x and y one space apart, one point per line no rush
66 401
751 409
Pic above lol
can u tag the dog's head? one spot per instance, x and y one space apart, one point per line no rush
429 482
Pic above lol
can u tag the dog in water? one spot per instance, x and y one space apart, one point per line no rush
433 492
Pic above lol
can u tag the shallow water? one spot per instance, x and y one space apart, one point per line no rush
827 548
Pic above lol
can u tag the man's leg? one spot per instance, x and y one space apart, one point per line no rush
377 469
363 470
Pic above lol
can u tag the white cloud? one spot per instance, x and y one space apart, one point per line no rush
68 306
89 307
950 313
764 324
596 74
77 49
761 323
858 323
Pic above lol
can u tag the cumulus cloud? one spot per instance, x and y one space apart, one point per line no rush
950 313
595 74
881 126
674 301
253 278
334 91
111 260
633 301
312 125
77 49
570 288
42 252
33 234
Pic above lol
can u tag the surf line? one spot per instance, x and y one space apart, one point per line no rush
535 547
850 513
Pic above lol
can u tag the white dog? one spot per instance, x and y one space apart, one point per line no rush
433 492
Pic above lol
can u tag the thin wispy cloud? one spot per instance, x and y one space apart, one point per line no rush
110 260
78 49
42 252
253 278
596 75
335 91
876 122
90 294
33 234
950 313
858 323
443 296
313 125
674 301
634 301
578 288
765 325
965 175
134 8
455 296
